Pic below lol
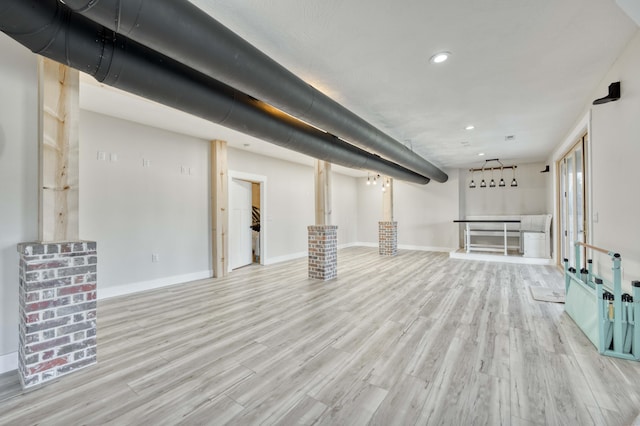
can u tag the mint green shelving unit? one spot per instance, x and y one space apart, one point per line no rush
608 317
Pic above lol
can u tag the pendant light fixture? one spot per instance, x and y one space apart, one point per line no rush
492 182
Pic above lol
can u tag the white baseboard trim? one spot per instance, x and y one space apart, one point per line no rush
404 247
500 258
347 245
286 257
121 290
362 244
423 248
8 362
298 255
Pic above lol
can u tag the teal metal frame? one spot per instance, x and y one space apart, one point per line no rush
614 331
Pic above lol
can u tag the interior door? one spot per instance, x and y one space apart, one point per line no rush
572 203
240 223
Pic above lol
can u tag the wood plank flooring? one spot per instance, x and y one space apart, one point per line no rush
414 339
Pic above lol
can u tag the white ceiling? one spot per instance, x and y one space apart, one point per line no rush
518 67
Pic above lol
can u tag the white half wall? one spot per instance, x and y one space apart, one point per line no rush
18 181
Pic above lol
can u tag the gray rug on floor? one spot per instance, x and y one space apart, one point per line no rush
544 294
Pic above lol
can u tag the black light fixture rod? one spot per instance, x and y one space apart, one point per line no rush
493 168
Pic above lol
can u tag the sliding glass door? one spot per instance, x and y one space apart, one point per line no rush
572 202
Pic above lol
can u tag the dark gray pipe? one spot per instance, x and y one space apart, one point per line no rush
185 33
52 30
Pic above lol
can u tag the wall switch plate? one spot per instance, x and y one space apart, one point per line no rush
113 157
595 217
102 156
183 170
146 163
155 258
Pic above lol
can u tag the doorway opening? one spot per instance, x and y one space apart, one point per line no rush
246 220
255 221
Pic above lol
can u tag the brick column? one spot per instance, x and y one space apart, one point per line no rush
388 238
323 252
57 309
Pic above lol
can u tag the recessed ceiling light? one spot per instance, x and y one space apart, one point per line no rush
481 154
470 127
440 57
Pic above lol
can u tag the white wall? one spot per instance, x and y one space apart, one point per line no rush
18 181
345 208
529 197
614 132
615 159
424 213
290 203
134 211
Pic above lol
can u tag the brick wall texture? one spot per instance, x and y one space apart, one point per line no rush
388 238
57 309
323 252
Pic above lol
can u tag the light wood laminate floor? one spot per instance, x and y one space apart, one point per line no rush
414 339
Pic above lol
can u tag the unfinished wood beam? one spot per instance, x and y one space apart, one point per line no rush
323 192
58 177
219 207
387 200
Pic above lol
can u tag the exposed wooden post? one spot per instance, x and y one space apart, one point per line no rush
58 116
387 200
323 192
219 207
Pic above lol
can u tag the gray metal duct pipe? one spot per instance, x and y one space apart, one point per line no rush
185 33
52 30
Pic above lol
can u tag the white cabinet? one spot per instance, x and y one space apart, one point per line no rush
534 244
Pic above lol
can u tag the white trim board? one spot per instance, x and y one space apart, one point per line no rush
285 258
406 247
424 248
483 257
8 362
121 290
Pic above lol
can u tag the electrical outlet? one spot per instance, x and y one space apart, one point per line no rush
155 258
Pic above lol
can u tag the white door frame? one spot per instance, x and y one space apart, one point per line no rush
262 180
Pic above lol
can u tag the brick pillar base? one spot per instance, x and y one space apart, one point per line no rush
323 252
57 309
388 238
